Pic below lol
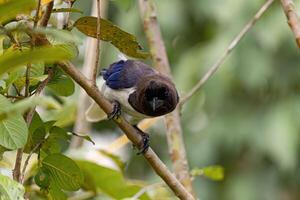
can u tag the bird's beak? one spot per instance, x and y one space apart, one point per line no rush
156 103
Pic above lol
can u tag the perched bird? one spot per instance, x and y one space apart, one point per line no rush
137 92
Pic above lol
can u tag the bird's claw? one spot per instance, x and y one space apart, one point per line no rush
116 111
144 143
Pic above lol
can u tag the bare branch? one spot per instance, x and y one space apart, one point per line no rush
27 160
172 121
97 54
130 131
226 53
81 125
292 17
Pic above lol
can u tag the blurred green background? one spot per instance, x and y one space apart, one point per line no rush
246 118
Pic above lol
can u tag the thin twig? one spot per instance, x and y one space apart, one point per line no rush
17 167
172 120
159 167
27 79
288 7
95 70
81 125
226 53
36 18
27 160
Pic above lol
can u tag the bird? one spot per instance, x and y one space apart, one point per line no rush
137 91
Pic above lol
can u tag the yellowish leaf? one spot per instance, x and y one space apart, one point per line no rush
43 2
215 173
124 41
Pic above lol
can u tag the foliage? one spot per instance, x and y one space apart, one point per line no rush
244 122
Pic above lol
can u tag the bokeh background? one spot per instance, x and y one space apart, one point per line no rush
246 117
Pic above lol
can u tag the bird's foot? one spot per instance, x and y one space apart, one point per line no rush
116 111
144 143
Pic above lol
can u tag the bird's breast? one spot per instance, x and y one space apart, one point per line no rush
122 95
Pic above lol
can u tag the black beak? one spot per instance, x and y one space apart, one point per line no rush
156 103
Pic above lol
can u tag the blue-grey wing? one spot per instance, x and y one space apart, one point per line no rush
125 74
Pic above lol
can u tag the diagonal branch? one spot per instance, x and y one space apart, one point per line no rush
172 120
159 167
226 53
292 17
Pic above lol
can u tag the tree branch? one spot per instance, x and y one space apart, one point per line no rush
292 17
172 121
226 53
130 131
81 125
97 54
46 15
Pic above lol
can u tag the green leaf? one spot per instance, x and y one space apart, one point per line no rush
108 181
85 137
20 83
10 189
13 130
42 178
23 105
62 85
113 157
215 173
36 133
10 9
2 151
55 193
57 141
55 35
12 59
63 171
124 41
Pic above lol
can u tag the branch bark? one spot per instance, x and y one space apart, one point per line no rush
288 7
81 125
130 131
226 53
172 121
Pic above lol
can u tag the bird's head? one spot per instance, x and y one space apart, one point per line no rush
155 95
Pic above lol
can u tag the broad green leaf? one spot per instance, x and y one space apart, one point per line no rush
20 83
23 105
42 178
64 116
124 41
13 130
36 132
67 10
61 85
64 172
56 193
108 181
10 189
215 173
13 59
10 9
56 35
115 158
57 141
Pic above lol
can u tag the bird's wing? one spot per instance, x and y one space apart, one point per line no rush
95 114
125 74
